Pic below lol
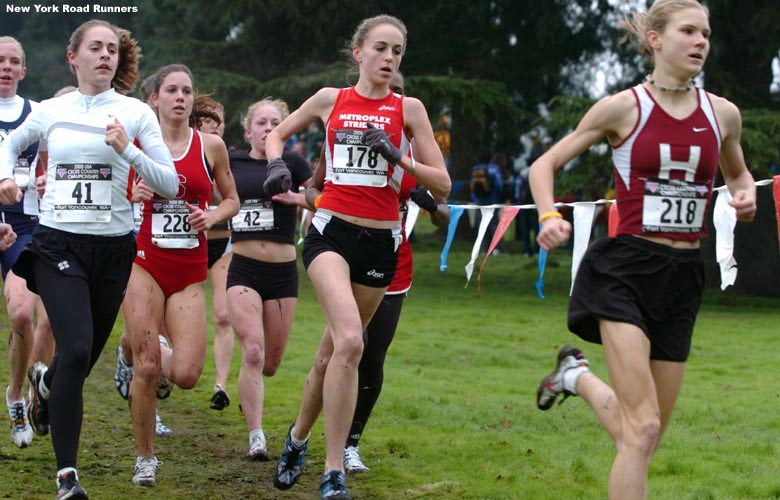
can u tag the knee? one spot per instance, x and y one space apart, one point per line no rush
222 321
146 366
350 349
253 355
645 436
75 355
21 319
187 381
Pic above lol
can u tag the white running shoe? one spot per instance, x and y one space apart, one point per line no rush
145 472
257 447
164 386
569 359
352 462
21 431
123 374
160 429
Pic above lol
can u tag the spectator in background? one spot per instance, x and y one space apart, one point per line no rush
487 187
442 136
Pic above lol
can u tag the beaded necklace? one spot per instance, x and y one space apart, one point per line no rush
664 88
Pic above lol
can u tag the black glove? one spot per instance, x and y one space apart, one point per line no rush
378 141
278 180
424 200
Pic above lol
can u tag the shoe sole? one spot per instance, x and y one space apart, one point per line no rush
75 495
219 401
258 456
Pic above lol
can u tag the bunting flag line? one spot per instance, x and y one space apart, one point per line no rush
583 220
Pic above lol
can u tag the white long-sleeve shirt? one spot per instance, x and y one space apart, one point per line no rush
74 126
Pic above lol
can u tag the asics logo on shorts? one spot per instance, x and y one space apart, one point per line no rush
374 274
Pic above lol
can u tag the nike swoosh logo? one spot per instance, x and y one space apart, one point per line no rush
696 129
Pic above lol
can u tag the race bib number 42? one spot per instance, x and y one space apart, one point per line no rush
673 206
82 192
255 215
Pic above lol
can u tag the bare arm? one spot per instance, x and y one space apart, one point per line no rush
429 168
732 161
217 155
611 117
315 107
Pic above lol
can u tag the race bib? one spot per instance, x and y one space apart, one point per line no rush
673 206
355 164
254 215
82 192
170 227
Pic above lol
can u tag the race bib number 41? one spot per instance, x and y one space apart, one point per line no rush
673 206
82 192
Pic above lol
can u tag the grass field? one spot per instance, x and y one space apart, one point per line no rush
457 418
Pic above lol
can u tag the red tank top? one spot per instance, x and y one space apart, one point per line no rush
664 170
164 221
359 182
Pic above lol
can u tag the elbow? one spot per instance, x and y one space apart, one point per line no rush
233 205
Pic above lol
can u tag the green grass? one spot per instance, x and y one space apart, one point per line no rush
457 417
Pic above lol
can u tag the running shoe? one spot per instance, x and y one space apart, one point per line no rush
257 447
68 487
123 374
219 399
164 386
334 486
145 472
21 432
290 466
569 358
352 462
38 411
160 429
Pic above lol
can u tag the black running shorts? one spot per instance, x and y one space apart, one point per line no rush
652 286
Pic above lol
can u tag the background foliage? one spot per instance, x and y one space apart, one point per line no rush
498 68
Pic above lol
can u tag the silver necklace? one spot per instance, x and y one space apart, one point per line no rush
664 88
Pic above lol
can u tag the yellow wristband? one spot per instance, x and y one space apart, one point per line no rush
547 215
317 201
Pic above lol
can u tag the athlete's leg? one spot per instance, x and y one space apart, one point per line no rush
627 353
347 308
20 305
142 310
378 337
223 333
246 311
186 324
